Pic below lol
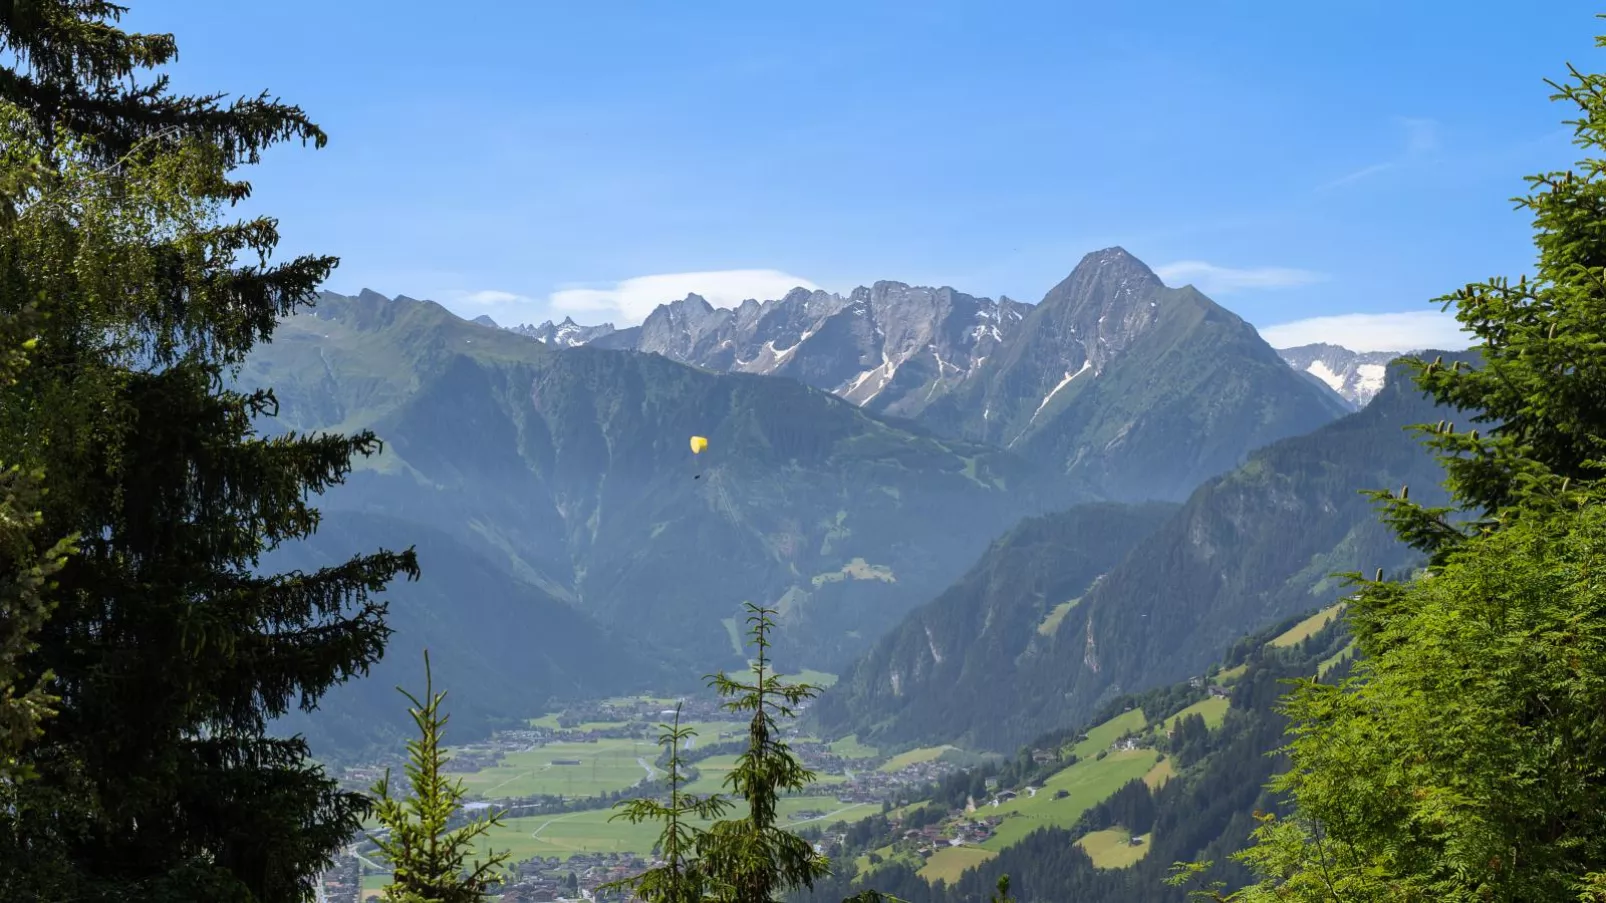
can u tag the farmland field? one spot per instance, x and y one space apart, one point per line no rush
1107 733
591 831
604 766
849 747
1087 783
1214 711
949 863
1307 628
1159 774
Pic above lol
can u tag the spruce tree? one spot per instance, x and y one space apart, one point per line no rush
429 859
1533 432
1465 758
681 878
754 859
168 651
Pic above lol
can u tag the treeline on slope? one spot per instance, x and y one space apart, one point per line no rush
1206 810
1249 548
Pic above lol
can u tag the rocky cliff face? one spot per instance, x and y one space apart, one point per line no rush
1143 390
888 347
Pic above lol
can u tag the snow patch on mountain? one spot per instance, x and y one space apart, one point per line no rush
1086 365
1356 376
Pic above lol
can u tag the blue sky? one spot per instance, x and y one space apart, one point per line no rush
533 159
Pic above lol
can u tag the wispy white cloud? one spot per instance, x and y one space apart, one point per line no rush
1212 279
1421 140
490 298
630 301
1407 331
623 303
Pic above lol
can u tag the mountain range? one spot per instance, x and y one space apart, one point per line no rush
1057 616
863 451
563 477
1113 378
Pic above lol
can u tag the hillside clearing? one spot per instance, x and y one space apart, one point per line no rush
1307 628
1051 622
1112 848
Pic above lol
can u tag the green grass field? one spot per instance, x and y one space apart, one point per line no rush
1107 733
887 858
913 757
1051 622
1336 659
1213 709
711 775
948 863
1089 782
1306 628
605 765
849 747
1231 675
1159 774
591 831
1112 848
809 676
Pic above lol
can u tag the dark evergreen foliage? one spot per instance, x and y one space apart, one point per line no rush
168 650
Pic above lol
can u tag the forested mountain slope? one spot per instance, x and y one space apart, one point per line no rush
1247 549
1068 827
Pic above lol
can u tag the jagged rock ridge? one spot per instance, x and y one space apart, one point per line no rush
566 334
1114 378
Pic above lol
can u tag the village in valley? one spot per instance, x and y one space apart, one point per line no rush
556 784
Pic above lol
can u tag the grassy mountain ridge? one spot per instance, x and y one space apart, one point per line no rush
1246 549
569 470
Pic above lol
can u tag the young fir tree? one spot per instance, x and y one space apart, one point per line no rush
429 859
169 652
754 859
680 879
751 859
1465 760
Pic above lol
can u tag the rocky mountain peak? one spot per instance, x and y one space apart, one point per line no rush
566 334
485 320
1101 307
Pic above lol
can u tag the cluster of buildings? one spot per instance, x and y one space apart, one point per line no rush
545 880
873 786
955 831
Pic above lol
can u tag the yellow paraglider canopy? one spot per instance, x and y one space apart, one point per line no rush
698 443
